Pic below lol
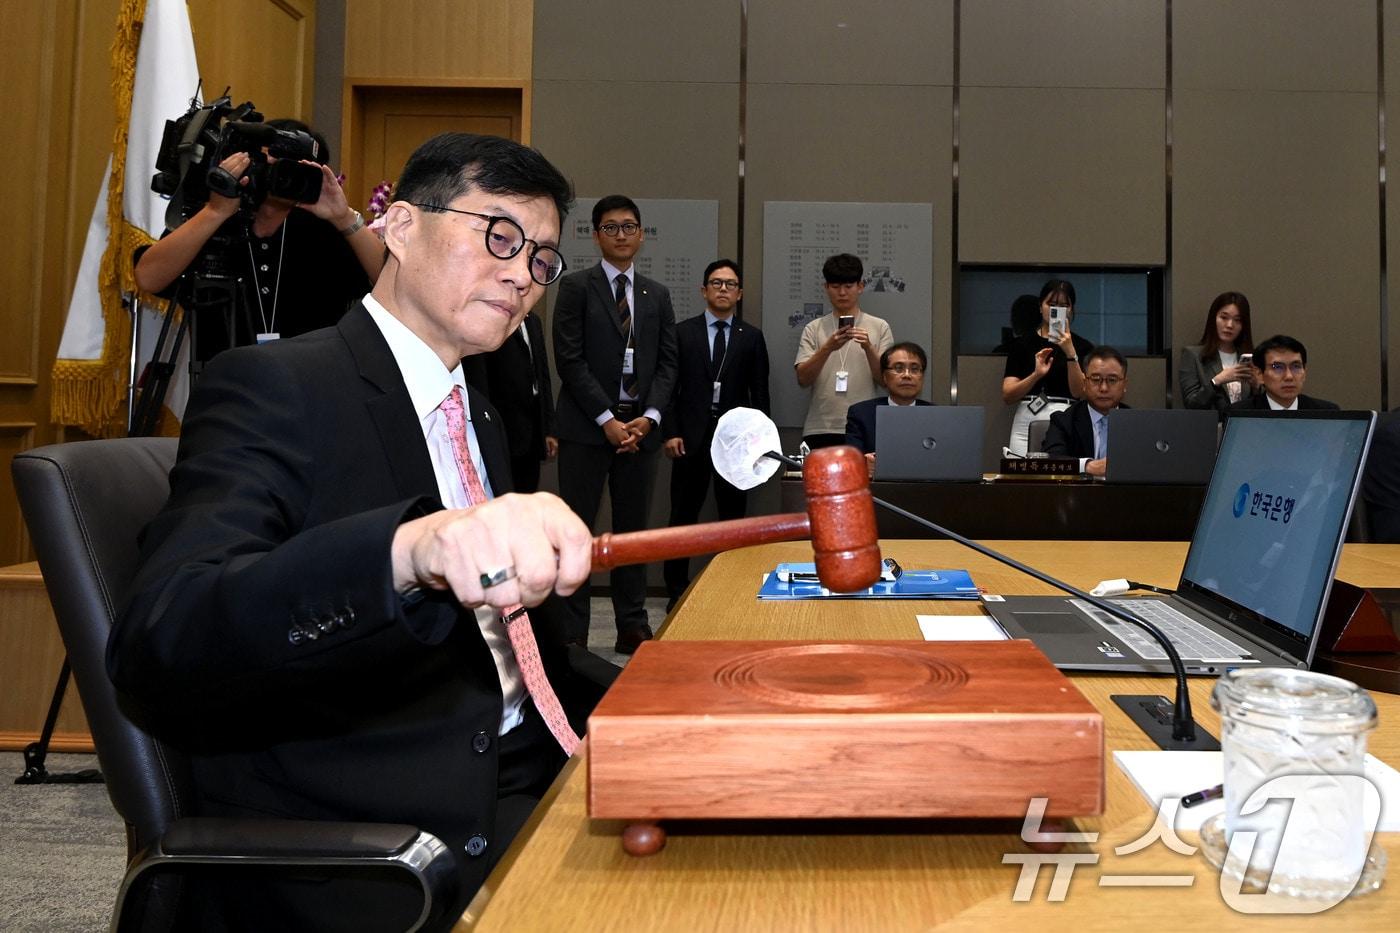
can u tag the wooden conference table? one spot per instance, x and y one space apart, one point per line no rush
567 872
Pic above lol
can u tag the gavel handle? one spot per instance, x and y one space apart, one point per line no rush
641 547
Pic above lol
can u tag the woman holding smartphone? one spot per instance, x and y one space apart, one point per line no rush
1217 372
1043 373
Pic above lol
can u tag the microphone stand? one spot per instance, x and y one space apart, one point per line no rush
1182 725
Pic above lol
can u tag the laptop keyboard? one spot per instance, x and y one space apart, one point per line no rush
1191 639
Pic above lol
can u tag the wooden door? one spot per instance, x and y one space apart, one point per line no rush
385 123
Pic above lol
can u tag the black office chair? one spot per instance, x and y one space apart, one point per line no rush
1035 436
84 504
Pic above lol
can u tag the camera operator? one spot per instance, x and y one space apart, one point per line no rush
300 265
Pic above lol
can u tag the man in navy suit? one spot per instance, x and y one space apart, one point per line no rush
615 349
1081 430
723 364
316 621
902 369
1282 363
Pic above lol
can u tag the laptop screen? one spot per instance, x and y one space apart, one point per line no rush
1272 525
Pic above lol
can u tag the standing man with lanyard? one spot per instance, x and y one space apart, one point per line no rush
615 348
723 365
838 357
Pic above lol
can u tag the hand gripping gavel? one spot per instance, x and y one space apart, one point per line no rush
840 520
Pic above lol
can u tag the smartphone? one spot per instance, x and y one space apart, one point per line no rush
846 320
1059 320
1246 359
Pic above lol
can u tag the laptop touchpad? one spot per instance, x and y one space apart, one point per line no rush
1050 623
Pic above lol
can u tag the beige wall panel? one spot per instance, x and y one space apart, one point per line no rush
614 40
800 149
1293 45
1062 176
647 140
439 38
870 42
263 48
1064 43
1275 195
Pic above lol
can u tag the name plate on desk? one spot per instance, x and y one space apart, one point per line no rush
772 729
1038 467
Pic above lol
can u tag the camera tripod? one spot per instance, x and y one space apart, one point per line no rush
203 295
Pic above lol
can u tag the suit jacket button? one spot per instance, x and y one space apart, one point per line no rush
346 617
481 742
476 845
295 635
326 624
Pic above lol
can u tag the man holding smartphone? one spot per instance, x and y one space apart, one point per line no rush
838 357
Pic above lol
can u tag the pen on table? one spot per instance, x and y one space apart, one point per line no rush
1201 796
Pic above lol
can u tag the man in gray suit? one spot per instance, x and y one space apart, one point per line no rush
615 349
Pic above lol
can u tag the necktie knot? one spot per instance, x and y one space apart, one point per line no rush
453 403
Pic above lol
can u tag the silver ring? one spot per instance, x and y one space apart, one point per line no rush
489 580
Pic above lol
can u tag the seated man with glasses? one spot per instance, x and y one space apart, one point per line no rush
328 612
902 369
1282 362
1081 430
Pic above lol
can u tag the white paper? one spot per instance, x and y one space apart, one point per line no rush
1176 774
961 628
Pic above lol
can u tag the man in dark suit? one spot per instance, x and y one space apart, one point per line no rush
615 349
1282 362
517 383
1081 430
902 369
317 618
723 364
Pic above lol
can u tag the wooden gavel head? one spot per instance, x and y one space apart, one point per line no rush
845 541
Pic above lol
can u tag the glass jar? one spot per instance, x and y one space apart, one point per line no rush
1304 736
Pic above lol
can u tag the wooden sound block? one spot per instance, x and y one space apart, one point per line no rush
771 729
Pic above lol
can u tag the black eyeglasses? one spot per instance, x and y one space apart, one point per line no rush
721 285
505 239
628 229
1295 367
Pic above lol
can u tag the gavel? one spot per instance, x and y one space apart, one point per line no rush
840 520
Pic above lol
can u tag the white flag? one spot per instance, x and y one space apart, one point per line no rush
153 82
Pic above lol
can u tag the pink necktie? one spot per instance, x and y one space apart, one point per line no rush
522 637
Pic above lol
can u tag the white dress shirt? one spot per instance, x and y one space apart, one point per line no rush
428 384
612 272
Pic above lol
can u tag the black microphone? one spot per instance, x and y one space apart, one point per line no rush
1183 724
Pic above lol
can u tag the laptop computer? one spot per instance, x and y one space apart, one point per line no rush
938 443
1259 569
1147 445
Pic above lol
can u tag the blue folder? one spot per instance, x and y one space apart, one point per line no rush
912 584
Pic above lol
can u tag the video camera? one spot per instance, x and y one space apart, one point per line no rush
194 144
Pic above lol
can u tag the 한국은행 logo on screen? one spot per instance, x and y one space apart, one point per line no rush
1241 500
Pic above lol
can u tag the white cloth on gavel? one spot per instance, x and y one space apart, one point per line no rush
743 437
